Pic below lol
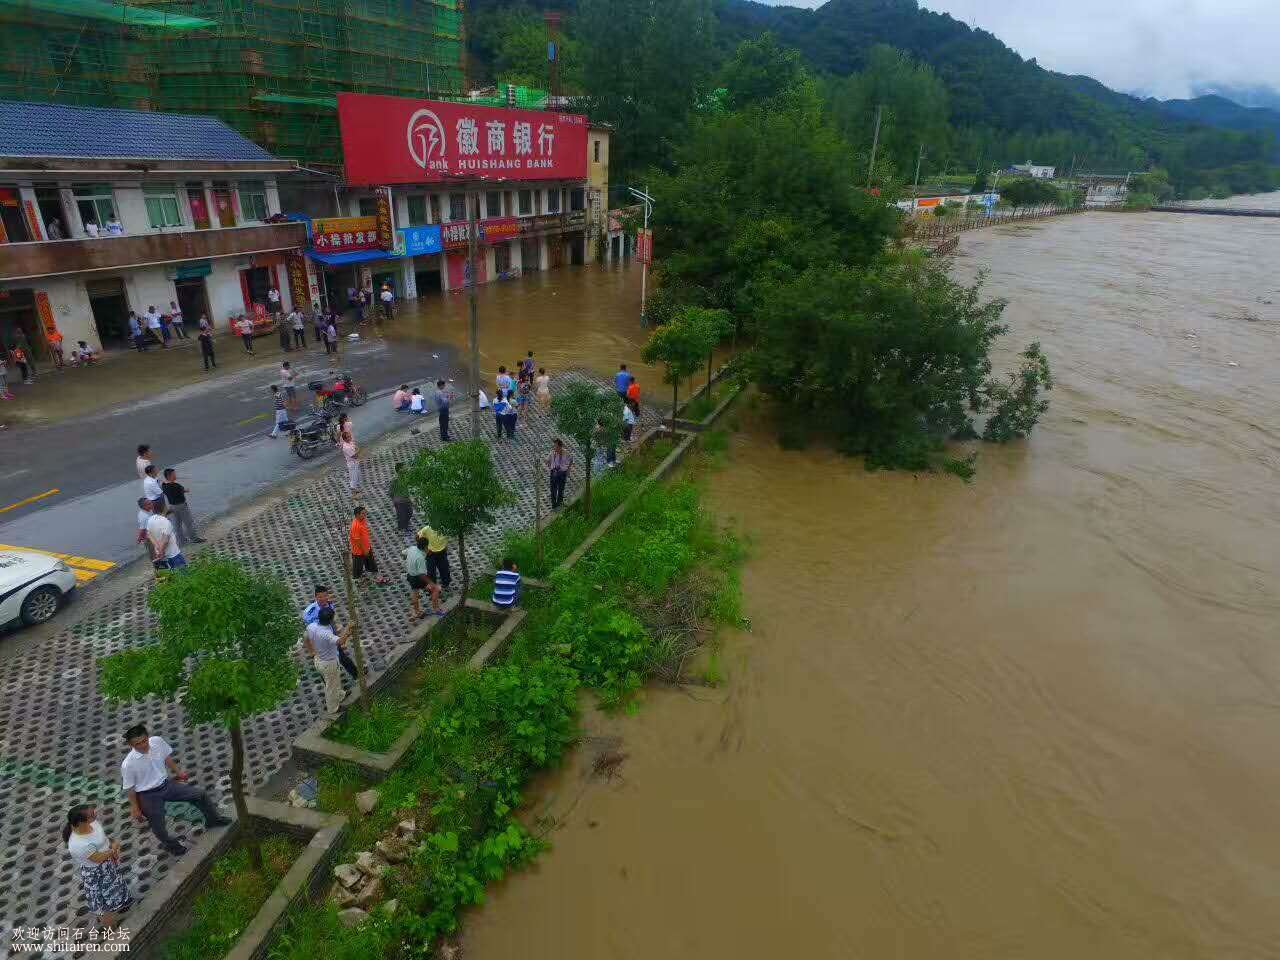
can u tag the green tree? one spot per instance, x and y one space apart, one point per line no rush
1026 192
225 637
459 489
891 358
644 65
914 109
592 418
723 222
680 347
716 325
1018 404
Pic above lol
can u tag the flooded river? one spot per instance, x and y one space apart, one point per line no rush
1033 717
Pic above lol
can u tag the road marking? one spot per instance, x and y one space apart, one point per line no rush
85 568
23 503
260 416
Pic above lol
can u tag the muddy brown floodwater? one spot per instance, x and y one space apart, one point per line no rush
569 317
1034 717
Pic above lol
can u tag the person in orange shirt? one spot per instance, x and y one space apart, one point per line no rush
633 395
55 348
362 558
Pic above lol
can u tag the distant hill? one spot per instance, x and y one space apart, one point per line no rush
1253 96
1006 109
1220 112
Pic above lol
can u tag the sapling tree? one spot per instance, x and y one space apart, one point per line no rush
593 419
680 346
717 325
225 637
459 489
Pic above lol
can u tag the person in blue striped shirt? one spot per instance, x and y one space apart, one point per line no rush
506 585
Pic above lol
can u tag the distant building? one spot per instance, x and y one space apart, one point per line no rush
1033 170
106 211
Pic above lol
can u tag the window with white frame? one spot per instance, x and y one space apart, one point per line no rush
253 200
457 206
578 198
493 203
553 200
162 205
526 203
95 202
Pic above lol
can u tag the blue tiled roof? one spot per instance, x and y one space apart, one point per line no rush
59 130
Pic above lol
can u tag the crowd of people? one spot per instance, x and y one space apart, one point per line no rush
150 773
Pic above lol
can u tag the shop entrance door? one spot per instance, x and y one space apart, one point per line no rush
18 323
255 281
193 301
110 308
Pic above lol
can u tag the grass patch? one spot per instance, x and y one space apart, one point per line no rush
230 898
375 727
700 407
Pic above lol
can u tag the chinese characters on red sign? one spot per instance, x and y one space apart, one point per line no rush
390 140
386 231
298 292
344 234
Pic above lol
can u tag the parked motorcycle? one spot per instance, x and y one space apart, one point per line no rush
310 434
343 392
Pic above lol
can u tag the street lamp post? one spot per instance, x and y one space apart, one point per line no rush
644 198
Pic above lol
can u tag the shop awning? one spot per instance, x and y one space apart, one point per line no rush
355 256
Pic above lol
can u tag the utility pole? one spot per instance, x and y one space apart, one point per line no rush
473 241
915 188
875 145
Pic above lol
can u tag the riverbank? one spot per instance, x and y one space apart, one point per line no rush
1030 716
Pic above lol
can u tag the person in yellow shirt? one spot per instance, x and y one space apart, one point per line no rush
437 556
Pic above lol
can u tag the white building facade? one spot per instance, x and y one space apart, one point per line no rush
108 212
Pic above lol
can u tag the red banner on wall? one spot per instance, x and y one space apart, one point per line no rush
498 230
644 246
402 140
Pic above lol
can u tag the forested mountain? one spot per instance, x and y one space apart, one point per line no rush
996 108
1220 112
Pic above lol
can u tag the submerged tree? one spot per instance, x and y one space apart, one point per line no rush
225 637
1018 405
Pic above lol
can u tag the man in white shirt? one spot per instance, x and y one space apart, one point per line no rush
152 318
153 778
322 644
273 301
164 541
151 488
388 301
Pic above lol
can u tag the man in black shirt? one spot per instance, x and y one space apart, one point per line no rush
179 511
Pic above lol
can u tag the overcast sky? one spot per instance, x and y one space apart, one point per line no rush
1160 47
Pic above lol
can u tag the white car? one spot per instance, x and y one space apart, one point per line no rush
32 586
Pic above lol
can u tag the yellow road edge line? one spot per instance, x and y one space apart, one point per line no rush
23 503
71 560
84 576
260 416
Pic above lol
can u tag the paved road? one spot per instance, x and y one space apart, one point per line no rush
214 432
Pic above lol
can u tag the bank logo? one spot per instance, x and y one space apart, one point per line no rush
425 136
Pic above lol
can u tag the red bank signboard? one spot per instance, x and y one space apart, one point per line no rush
394 140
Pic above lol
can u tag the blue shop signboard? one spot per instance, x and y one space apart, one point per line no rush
420 241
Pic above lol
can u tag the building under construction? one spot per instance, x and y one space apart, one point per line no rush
269 68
